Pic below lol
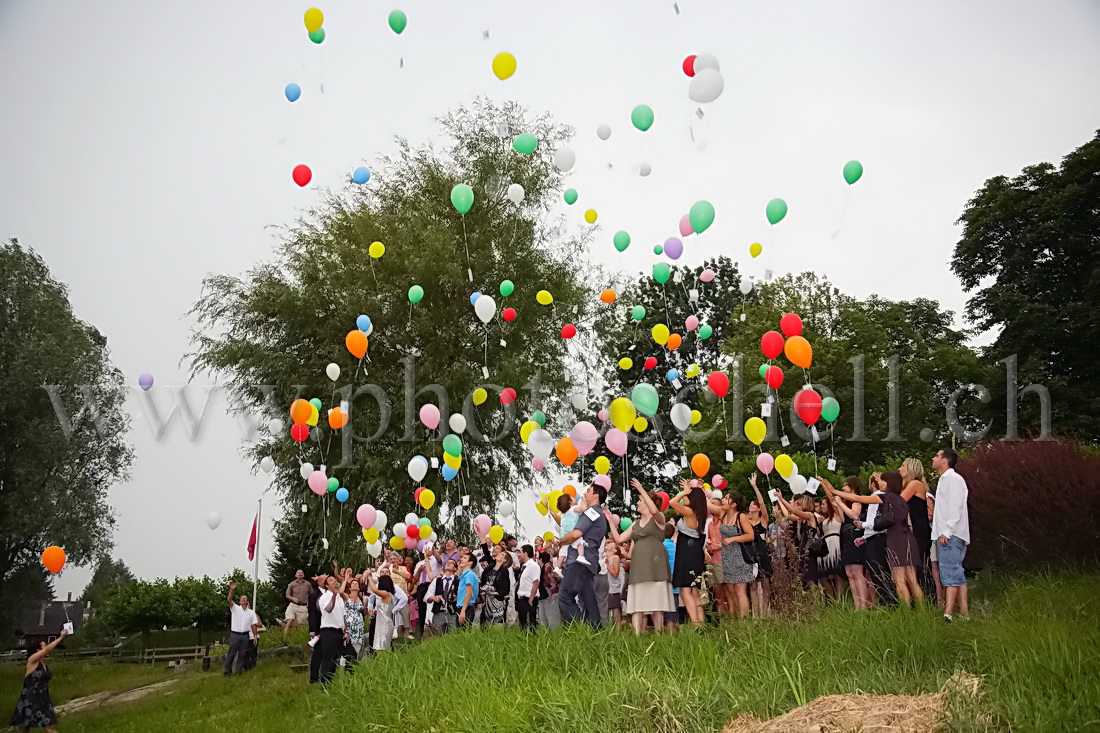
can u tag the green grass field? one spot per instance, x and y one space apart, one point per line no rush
1034 641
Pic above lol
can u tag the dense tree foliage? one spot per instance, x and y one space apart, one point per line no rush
108 573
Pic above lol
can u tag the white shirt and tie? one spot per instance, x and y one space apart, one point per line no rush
950 518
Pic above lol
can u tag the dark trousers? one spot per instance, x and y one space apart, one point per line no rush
526 612
238 647
251 654
315 663
879 569
332 640
579 584
421 607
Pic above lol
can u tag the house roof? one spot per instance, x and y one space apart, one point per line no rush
48 617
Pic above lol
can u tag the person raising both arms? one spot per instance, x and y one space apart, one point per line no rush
687 575
648 590
737 572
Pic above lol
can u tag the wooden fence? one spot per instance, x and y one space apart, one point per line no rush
119 654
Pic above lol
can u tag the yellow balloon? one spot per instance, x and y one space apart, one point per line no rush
706 487
526 429
696 417
548 537
660 334
554 496
370 535
314 416
397 543
640 424
427 500
496 533
784 465
544 297
692 370
626 363
377 249
504 65
755 430
480 395
602 465
314 19
454 462
590 216
541 508
622 413
755 249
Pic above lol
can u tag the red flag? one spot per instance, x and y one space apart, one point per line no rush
252 541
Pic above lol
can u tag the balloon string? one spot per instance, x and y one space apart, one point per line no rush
843 210
372 272
466 246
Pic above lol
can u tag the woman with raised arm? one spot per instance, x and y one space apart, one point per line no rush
851 553
383 610
801 512
649 592
687 575
828 567
354 613
737 572
761 589
35 708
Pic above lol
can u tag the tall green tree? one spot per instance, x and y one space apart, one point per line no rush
62 427
286 320
108 573
1030 254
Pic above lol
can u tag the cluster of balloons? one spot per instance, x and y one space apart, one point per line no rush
356 340
550 500
372 522
706 83
314 19
414 533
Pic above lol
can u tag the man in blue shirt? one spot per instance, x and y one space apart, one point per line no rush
468 588
579 581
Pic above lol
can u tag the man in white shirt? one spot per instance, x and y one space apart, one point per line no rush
951 531
527 591
333 630
242 622
442 594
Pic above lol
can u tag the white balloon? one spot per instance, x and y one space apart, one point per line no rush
716 494
457 423
267 464
579 400
604 131
399 529
434 537
380 520
485 308
306 470
370 330
276 426
411 518
681 416
374 549
706 61
506 509
794 472
645 170
541 444
798 484
213 519
565 159
333 371
516 193
746 287
418 469
706 86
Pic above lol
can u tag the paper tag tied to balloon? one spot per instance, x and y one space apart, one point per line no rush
683 461
831 465
767 275
813 433
466 500
485 372
766 410
729 456
693 295
676 383
435 462
773 495
811 485
503 342
785 441
660 448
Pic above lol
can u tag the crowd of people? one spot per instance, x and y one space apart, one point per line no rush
895 544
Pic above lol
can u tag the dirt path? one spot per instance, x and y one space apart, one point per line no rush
112 697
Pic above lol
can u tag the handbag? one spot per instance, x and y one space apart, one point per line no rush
750 553
817 546
884 518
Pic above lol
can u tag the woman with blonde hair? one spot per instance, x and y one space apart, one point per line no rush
801 510
915 493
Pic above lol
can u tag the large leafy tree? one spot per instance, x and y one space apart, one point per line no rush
108 573
57 459
286 320
1030 253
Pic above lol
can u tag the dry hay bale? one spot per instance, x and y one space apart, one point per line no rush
865 713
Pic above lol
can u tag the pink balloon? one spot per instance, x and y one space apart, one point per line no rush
584 436
718 481
615 519
318 483
410 543
482 523
602 480
537 464
603 415
765 462
366 516
685 226
429 415
706 275
616 441
691 323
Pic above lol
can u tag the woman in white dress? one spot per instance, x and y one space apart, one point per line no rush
383 611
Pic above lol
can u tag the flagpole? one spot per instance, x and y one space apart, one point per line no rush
256 567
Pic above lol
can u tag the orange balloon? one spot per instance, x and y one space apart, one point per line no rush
356 341
571 490
53 557
567 453
674 341
799 351
300 410
336 418
700 464
608 296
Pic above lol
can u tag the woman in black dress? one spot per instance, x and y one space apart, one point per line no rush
690 562
915 493
35 709
496 583
852 555
761 589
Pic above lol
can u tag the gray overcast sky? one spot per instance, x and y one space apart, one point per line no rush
146 144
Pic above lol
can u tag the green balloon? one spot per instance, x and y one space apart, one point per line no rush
453 445
424 522
333 484
763 370
624 524
507 288
853 171
318 35
525 143
540 417
661 272
642 117
316 403
570 196
621 240
462 197
705 331
638 312
777 209
701 216
398 21
644 396
830 409
658 249
416 294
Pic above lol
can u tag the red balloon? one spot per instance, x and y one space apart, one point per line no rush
507 396
302 174
689 65
568 331
774 377
509 314
807 405
664 500
718 383
412 532
790 325
771 344
416 494
650 362
299 432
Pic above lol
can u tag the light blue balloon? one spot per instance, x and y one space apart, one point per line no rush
449 473
422 459
474 297
363 323
341 495
360 175
672 374
292 91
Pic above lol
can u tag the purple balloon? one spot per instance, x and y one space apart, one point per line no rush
145 381
421 544
674 248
